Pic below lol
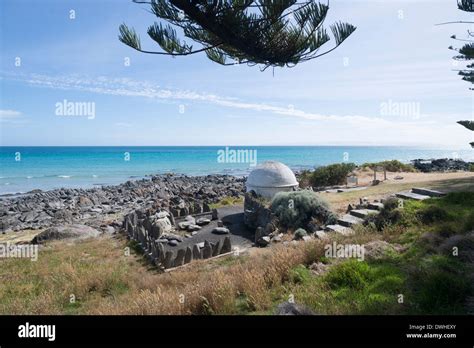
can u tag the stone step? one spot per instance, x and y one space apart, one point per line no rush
376 206
339 229
363 213
427 192
348 220
411 195
321 234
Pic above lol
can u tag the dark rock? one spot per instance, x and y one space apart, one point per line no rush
220 230
75 232
288 308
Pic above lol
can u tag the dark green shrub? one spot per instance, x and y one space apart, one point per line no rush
432 214
300 233
390 214
296 209
391 166
334 174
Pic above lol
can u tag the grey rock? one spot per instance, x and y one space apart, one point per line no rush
288 308
168 260
188 256
207 250
74 231
220 230
226 245
196 252
173 242
202 221
179 260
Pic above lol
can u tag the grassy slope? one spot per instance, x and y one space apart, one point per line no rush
106 281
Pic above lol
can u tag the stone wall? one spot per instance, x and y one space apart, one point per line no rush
147 227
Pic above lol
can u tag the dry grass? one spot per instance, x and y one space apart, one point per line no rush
104 280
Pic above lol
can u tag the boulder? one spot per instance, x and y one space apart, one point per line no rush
207 250
226 245
179 260
220 230
202 221
74 232
196 252
288 308
188 256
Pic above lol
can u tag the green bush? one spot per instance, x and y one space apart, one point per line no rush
432 214
334 174
295 209
391 166
390 214
300 233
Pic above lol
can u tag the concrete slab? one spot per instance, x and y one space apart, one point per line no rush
363 213
411 195
349 220
339 229
376 206
427 192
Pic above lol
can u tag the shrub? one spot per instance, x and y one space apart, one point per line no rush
390 214
391 166
431 214
296 209
300 233
334 174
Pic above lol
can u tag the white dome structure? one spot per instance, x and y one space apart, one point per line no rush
271 177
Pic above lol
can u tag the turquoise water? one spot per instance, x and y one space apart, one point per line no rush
26 168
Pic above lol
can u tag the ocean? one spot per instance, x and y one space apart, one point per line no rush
23 169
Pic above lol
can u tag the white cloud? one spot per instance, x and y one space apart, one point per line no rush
9 114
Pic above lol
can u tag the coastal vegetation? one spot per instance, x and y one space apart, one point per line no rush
98 276
296 209
336 174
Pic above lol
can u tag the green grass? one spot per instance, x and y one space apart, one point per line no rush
227 201
421 280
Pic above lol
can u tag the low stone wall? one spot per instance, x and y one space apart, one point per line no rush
146 228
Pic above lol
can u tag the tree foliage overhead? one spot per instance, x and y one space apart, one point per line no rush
271 33
466 52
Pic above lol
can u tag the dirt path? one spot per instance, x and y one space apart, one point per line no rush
444 182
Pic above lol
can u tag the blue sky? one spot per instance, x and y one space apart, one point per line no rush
396 58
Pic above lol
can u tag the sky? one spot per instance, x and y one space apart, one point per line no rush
393 82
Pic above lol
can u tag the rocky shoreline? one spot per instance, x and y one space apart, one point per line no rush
103 208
